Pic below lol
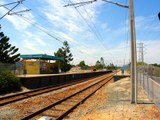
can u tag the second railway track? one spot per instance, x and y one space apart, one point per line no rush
63 106
20 96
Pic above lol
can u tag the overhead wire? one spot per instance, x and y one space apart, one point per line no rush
127 35
127 42
37 26
34 11
46 31
97 32
41 28
98 36
78 43
153 23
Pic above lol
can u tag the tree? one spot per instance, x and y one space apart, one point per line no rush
111 66
67 55
141 63
156 65
83 65
7 51
97 62
102 61
100 64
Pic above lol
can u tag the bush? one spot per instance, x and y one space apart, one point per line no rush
9 82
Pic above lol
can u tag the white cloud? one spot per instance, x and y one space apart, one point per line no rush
68 25
105 27
67 37
67 17
147 23
31 47
72 27
40 41
35 43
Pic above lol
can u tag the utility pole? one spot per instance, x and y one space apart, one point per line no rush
134 84
132 43
133 54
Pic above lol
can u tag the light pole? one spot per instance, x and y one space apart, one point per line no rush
132 44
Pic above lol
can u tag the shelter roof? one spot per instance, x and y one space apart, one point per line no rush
41 56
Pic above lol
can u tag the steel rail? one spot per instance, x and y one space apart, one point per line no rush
48 89
61 100
26 95
80 102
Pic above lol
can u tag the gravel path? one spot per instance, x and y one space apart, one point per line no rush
112 102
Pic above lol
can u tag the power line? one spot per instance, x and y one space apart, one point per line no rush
152 24
97 32
9 10
19 12
98 36
127 36
38 26
80 3
44 18
118 4
42 29
157 35
77 43
51 23
20 1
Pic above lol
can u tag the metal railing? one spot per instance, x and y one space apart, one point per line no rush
150 83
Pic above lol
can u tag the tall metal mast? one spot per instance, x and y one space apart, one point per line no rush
132 43
133 54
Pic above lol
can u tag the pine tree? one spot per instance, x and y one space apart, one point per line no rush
64 52
7 51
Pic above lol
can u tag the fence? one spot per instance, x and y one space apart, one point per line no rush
8 67
148 77
15 69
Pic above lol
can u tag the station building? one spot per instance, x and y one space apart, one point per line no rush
39 63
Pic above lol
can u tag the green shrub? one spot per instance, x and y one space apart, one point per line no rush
9 82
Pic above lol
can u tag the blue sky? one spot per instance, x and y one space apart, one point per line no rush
93 31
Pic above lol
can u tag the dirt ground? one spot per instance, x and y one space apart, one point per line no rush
112 102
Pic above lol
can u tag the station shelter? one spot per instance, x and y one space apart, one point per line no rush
39 63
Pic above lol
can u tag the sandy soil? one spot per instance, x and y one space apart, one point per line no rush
112 102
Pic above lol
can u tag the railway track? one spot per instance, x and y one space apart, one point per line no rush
63 106
20 96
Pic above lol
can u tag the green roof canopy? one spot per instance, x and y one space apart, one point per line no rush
41 56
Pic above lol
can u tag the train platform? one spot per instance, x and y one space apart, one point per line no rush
120 75
113 102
